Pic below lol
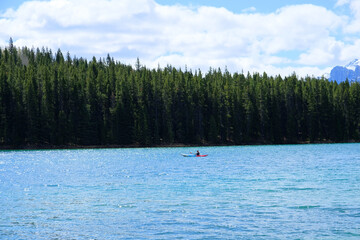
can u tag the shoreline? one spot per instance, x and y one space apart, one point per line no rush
173 145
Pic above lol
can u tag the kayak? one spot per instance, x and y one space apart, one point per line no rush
193 155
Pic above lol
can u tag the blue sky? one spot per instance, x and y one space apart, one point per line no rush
279 37
263 6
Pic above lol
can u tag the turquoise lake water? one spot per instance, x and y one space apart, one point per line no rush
244 192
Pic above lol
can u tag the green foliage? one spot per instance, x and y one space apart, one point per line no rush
49 99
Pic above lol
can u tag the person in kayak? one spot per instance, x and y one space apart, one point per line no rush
197 153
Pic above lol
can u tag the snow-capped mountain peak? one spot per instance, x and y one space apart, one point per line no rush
352 65
351 72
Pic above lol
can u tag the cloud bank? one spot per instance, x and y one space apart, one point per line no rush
307 39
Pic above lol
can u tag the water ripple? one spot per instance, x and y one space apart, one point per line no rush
247 192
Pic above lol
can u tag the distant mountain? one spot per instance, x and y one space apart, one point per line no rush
350 71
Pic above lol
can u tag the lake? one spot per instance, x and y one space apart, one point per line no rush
243 192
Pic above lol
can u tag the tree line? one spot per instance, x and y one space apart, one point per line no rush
52 99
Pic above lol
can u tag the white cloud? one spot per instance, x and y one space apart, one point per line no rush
250 9
341 2
354 5
350 51
200 37
354 27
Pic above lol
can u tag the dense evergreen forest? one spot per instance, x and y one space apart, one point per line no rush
52 99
